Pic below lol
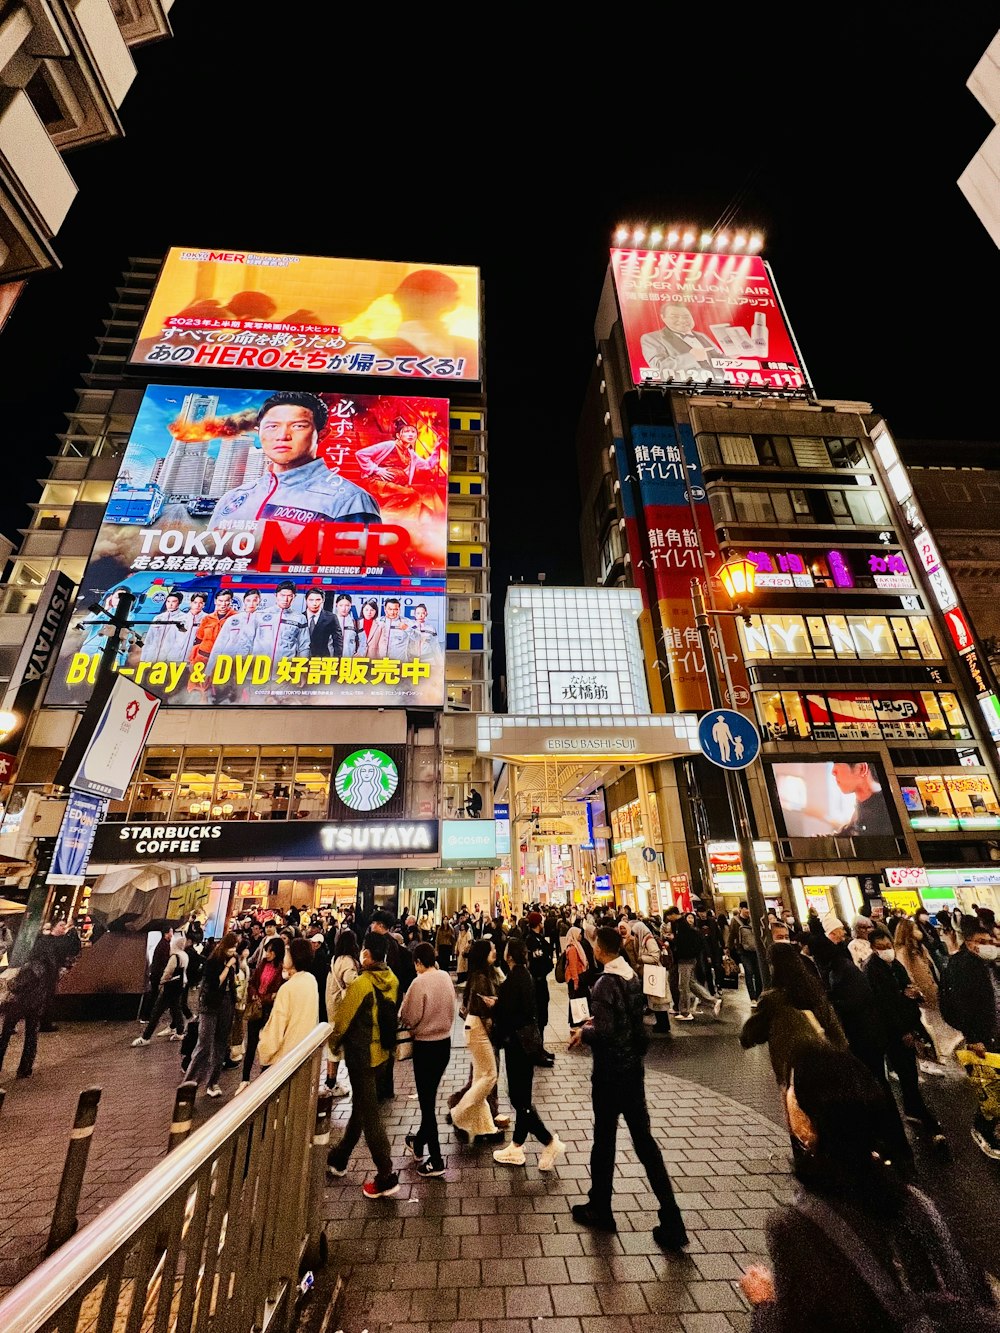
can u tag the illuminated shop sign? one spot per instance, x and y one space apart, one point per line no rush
889 714
468 840
372 839
282 548
318 316
776 635
831 569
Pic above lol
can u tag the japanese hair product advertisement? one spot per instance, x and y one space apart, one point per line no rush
282 547
285 313
705 319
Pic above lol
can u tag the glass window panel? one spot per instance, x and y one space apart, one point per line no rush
809 452
846 453
818 715
195 794
738 450
954 715
838 506
273 789
924 634
795 712
933 796
786 636
708 448
311 795
800 503
772 716
753 507
872 636
234 788
936 723
841 637
817 631
153 785
972 795
867 508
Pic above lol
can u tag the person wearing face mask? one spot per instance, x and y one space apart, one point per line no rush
970 1002
913 953
856 1248
898 1002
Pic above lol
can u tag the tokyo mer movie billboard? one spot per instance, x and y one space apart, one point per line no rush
282 547
286 313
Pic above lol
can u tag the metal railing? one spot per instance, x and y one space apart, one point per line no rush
212 1239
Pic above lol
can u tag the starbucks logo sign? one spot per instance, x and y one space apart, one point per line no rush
366 779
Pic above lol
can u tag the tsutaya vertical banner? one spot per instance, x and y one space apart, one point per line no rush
680 532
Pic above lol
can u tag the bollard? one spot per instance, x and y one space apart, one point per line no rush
316 1249
64 1219
180 1123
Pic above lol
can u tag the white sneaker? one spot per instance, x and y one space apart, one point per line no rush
338 1090
213 1091
141 1041
512 1155
684 1018
164 1032
717 1007
547 1157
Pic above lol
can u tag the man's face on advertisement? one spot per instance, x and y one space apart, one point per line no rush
392 610
197 603
678 318
850 778
224 602
288 436
172 601
314 603
283 597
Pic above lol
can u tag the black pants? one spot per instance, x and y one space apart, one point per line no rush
891 1130
12 1015
520 1075
624 1095
903 1060
751 970
542 1003
444 957
254 1028
169 997
365 1119
430 1060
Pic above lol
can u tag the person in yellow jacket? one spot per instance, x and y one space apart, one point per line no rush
365 1029
296 1007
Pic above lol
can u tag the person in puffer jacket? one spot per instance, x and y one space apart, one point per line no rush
297 488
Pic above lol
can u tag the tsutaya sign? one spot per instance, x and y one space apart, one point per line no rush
237 840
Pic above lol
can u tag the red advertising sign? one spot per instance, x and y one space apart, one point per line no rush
958 628
704 318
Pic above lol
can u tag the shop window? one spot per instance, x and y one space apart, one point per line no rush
971 795
59 495
311 796
738 450
796 716
953 714
153 789
234 790
196 794
872 637
809 452
273 789
925 637
771 716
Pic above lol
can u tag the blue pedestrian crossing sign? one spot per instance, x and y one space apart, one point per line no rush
728 739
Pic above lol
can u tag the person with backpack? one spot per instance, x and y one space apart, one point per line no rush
857 1248
365 1029
616 1035
169 993
970 1002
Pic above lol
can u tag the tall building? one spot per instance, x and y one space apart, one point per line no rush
252 805
856 657
980 181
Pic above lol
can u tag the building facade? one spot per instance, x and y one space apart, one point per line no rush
235 807
856 658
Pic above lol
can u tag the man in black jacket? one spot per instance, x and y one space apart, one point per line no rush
541 960
898 1003
970 1001
616 1036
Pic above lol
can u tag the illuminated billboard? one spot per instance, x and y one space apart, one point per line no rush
283 547
217 309
844 798
704 319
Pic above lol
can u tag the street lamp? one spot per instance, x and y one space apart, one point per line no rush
737 576
8 723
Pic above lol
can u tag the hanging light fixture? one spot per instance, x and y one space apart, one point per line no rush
738 576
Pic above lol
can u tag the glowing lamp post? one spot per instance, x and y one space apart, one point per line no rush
738 577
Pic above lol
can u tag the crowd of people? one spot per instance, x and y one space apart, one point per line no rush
843 1010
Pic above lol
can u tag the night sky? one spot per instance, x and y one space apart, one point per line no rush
342 138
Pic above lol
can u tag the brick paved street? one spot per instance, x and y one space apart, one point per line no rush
488 1248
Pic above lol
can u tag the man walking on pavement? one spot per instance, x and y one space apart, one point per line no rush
743 947
617 1038
360 1029
541 961
399 961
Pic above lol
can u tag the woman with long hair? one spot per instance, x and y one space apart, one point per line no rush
472 1114
689 949
856 1248
216 1005
262 990
793 1009
366 625
515 1009
343 970
912 951
576 972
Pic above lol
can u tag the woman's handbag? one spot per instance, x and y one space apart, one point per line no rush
561 968
404 1043
254 1010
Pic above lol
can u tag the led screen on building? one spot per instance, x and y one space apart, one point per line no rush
283 547
833 799
707 318
234 309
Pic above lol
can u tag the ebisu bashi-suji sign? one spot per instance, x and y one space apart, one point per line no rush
705 319
281 547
